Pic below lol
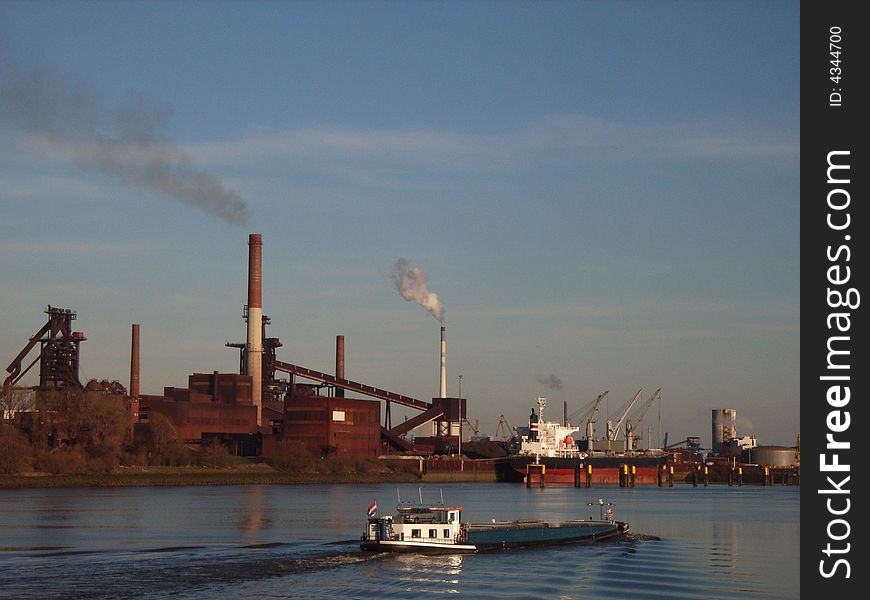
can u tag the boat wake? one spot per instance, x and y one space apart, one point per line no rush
180 571
640 537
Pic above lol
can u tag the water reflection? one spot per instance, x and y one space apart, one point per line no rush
252 511
431 573
725 546
301 542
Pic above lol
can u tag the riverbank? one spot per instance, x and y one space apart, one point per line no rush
179 476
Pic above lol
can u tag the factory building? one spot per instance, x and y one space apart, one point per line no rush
332 425
250 412
215 407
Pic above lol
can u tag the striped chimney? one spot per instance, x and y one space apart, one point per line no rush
254 344
443 391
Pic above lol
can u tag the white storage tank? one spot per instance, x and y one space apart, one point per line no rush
771 456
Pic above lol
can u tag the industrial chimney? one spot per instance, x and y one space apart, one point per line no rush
254 344
339 363
443 391
134 364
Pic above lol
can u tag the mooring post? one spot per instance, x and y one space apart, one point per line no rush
633 475
706 475
739 476
671 476
533 469
589 475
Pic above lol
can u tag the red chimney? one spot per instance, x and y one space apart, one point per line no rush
134 363
339 363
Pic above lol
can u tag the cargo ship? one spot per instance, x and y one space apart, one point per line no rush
551 451
439 529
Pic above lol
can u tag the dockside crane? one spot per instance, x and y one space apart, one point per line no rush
612 430
588 416
631 425
503 429
587 412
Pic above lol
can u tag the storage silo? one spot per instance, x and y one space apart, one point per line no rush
771 456
724 427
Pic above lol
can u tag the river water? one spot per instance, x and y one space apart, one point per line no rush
301 541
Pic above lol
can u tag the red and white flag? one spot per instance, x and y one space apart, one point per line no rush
373 509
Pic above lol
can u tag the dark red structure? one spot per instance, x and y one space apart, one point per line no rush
215 407
332 426
246 408
58 354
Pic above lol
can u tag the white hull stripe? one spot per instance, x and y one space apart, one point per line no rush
442 545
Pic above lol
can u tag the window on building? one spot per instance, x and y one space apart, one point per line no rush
415 533
433 533
446 533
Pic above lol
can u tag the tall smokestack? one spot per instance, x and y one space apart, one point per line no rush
134 364
339 363
443 362
254 345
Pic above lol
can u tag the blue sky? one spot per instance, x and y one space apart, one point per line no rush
606 192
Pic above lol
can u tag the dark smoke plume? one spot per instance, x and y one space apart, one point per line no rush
551 381
64 115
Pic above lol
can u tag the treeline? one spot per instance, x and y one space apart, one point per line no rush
89 432
20 453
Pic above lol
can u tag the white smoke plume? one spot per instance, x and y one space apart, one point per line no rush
63 115
551 381
412 285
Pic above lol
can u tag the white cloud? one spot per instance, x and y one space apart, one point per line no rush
568 135
50 186
750 311
71 249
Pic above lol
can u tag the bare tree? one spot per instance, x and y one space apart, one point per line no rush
16 400
16 454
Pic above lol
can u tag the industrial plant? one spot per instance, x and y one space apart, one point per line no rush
269 402
251 411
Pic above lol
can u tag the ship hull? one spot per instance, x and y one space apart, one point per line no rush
416 547
517 534
605 469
